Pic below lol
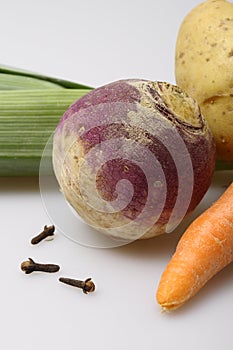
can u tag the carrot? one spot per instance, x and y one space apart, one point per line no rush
205 248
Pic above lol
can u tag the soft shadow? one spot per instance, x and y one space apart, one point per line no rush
154 247
19 184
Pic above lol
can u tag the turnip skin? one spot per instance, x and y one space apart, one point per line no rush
90 123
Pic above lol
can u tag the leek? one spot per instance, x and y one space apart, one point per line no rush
39 77
31 106
27 120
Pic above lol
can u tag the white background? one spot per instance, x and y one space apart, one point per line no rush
95 42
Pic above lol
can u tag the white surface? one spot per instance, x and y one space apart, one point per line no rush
95 42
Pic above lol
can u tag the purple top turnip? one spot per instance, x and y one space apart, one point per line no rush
134 157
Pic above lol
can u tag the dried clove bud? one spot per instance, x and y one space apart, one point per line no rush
30 266
48 231
87 286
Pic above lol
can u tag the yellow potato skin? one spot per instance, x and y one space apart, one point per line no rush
204 67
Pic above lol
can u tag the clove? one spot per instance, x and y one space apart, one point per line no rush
48 231
87 286
30 266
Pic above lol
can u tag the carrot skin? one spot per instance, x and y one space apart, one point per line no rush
204 249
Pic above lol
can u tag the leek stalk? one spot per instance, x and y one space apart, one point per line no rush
27 120
31 106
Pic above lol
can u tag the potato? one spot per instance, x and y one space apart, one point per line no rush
204 67
134 157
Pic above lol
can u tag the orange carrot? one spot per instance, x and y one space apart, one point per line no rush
205 248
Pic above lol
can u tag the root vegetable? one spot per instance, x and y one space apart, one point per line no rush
134 157
205 248
204 67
